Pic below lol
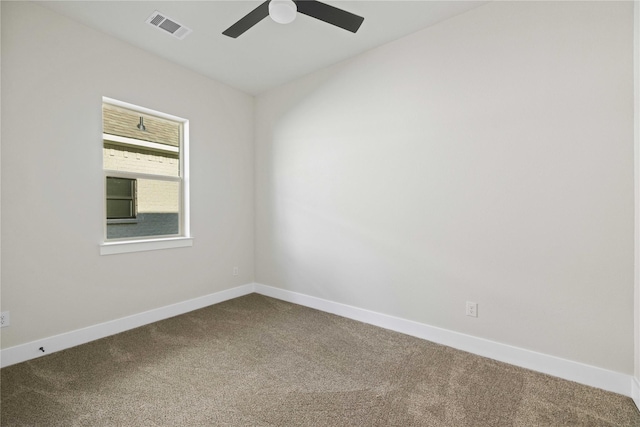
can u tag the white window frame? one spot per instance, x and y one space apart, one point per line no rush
183 238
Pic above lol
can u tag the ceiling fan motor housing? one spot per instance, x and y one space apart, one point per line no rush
282 11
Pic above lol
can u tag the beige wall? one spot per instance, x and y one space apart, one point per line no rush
54 75
488 158
636 51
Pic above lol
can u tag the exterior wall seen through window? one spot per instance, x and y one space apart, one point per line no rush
141 159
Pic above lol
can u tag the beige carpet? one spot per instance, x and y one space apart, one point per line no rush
256 361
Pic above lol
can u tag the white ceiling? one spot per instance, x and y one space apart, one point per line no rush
267 55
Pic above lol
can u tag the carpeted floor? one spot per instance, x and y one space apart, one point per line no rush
257 361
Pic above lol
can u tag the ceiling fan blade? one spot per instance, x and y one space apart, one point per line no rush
248 21
332 15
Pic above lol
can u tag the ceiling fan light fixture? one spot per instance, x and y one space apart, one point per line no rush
282 11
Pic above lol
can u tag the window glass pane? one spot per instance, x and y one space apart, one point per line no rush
119 187
119 209
158 207
138 147
124 122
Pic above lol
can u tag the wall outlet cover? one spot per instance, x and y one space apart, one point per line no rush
472 309
5 319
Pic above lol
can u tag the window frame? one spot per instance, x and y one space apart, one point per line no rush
146 243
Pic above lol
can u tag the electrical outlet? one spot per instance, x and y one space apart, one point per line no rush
235 271
5 320
472 309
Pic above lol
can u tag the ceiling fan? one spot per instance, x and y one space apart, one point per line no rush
284 11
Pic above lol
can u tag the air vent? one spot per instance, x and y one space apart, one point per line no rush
162 22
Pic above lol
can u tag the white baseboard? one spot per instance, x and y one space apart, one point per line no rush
544 363
635 391
551 365
28 351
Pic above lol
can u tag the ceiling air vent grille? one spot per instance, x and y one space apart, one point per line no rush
168 25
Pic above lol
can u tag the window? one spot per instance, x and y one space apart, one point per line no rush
145 191
121 198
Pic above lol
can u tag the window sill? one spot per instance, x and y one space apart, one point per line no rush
122 221
121 247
